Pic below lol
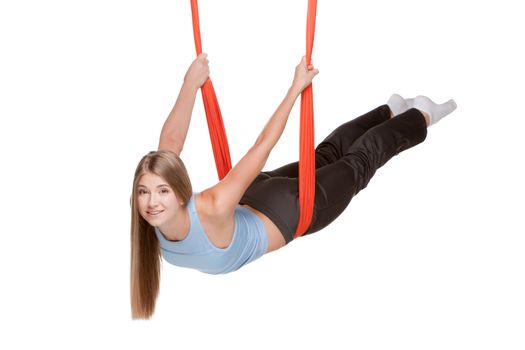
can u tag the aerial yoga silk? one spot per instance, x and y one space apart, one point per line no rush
219 141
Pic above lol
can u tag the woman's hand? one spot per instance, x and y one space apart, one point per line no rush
303 75
198 72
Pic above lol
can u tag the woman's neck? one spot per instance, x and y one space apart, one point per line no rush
177 229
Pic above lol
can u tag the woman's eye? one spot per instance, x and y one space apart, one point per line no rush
165 190
142 191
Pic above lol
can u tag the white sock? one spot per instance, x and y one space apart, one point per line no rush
410 102
435 111
397 104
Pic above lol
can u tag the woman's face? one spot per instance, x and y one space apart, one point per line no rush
156 200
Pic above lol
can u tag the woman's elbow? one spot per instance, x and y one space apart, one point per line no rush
264 145
170 144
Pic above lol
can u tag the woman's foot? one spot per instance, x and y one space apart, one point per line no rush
434 111
397 105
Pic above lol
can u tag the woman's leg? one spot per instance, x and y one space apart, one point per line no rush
335 145
339 182
336 183
275 193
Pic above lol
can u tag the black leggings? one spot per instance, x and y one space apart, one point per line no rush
345 162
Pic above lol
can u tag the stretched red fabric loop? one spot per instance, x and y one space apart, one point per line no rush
307 147
219 140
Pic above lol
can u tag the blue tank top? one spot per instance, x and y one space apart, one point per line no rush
196 251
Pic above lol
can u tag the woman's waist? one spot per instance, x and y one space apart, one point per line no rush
275 237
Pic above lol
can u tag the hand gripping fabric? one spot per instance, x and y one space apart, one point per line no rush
219 141
306 139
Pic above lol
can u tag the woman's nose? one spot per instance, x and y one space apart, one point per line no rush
153 201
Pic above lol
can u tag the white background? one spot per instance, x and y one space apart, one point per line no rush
429 256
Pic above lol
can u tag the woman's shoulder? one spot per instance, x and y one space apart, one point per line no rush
206 206
216 224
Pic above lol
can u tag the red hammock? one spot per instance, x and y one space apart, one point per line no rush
219 141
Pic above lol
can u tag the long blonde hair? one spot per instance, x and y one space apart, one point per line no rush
145 248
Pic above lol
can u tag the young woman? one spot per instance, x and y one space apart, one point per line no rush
252 212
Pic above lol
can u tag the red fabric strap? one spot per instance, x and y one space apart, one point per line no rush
219 140
307 148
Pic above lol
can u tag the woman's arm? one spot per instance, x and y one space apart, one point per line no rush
175 129
227 193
